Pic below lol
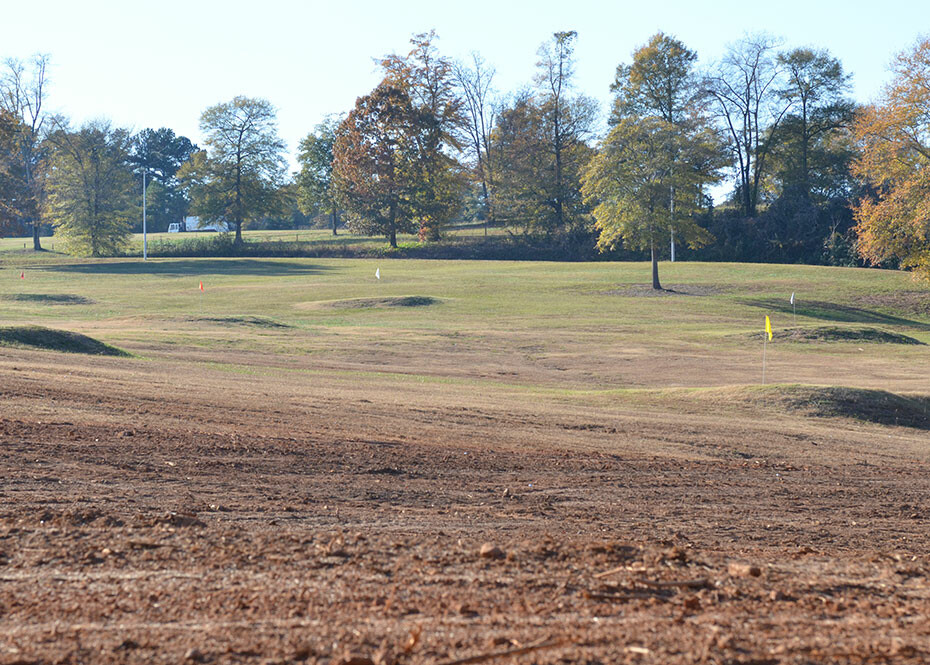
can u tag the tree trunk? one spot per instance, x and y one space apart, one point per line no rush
393 228
655 266
671 219
36 245
558 175
805 179
333 215
484 191
239 215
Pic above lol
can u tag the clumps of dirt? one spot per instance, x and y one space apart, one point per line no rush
874 406
646 291
50 298
255 321
49 339
368 303
67 517
839 334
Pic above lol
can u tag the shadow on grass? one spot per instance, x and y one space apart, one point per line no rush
876 406
192 267
829 311
50 298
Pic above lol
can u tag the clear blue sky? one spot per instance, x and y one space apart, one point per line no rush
154 64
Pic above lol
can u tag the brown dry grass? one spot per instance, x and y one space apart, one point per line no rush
242 491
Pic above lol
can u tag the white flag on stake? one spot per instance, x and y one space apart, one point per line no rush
378 273
792 297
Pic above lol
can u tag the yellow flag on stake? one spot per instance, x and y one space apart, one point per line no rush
768 327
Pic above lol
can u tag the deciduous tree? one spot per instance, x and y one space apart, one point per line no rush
433 130
569 121
628 181
539 147
160 153
745 89
91 198
894 223
245 166
481 114
316 190
11 180
22 96
393 163
372 163
661 83
815 86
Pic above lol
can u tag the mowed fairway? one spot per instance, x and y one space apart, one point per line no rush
302 463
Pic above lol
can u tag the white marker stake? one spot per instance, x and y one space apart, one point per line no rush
378 273
794 311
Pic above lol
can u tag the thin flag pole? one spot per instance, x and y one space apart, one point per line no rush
766 338
764 342
145 237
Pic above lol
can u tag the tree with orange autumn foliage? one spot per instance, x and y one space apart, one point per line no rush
393 162
434 129
372 162
894 222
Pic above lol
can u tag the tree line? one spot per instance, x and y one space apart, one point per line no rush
817 178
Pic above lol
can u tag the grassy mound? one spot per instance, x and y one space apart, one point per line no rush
256 321
387 301
874 406
839 334
38 337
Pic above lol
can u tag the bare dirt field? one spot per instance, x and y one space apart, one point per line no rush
152 512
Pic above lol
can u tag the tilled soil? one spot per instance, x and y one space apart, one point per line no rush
140 525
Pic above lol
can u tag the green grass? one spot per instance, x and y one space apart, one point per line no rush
581 330
37 337
305 237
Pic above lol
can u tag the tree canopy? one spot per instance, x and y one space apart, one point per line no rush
372 163
810 176
22 99
238 178
894 221
316 190
91 198
161 153
630 179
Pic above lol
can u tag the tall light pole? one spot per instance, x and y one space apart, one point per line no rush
145 238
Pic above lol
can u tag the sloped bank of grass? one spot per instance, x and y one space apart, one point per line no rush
869 405
369 303
49 339
854 334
